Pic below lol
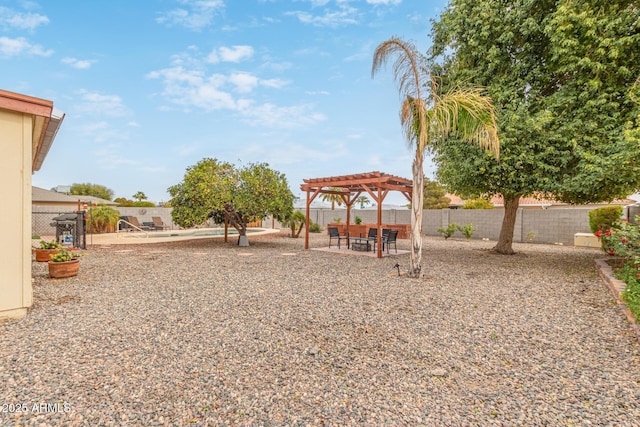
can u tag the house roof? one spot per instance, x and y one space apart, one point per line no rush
47 121
41 195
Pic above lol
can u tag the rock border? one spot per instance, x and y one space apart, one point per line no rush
616 286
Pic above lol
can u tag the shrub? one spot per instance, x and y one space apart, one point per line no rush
103 219
314 227
448 232
623 240
337 220
478 204
467 230
358 220
602 219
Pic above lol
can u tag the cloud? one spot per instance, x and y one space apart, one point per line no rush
345 15
9 18
20 46
194 15
80 64
384 2
230 54
97 104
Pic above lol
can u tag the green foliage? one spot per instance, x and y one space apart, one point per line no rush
434 195
95 190
123 202
337 220
103 219
295 222
219 190
362 201
531 236
314 227
448 232
49 245
358 220
623 240
559 73
334 198
63 255
479 203
140 196
467 230
630 274
602 219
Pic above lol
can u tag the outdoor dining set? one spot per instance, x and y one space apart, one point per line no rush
365 243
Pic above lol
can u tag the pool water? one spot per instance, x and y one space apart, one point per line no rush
192 233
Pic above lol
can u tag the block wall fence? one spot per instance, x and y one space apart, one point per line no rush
548 226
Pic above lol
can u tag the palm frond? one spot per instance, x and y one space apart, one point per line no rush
468 114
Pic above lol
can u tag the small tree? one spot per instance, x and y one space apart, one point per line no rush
479 203
362 201
103 219
434 195
296 222
218 190
95 190
140 196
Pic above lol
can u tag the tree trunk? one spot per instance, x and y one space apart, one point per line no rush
417 195
505 241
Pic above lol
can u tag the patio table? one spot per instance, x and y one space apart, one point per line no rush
361 243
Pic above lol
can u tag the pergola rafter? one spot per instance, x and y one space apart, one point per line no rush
376 184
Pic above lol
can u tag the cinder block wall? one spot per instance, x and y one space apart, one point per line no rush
544 226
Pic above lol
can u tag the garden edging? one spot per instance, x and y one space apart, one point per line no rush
616 286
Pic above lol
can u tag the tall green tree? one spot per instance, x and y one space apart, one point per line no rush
559 74
219 190
434 195
88 189
428 116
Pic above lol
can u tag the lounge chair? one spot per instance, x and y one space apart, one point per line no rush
158 224
389 240
137 226
335 234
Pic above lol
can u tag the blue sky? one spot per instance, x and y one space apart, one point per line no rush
152 87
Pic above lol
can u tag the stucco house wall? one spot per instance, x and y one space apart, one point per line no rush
27 128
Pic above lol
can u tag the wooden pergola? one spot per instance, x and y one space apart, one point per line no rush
350 187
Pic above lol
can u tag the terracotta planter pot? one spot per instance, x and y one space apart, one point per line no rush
42 255
58 270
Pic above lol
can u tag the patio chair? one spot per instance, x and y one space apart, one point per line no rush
335 234
158 224
134 221
390 239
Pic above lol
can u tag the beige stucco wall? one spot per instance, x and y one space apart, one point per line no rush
15 164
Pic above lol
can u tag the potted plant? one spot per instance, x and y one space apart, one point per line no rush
64 263
46 249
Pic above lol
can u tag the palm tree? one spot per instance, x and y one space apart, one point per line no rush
333 197
428 118
363 200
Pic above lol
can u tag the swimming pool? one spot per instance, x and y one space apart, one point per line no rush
204 232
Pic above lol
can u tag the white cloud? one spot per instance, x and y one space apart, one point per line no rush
344 16
97 104
194 15
230 54
244 82
21 46
9 18
80 64
385 2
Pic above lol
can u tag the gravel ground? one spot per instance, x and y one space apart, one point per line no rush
207 333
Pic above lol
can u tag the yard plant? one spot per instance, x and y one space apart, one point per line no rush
623 240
